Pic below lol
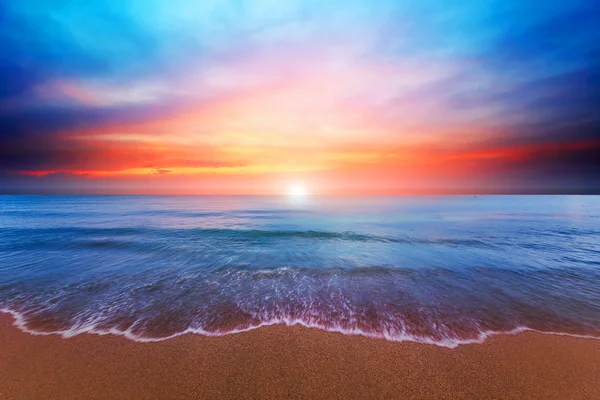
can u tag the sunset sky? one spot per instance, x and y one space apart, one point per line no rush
250 97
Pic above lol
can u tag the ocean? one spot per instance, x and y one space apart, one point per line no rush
445 270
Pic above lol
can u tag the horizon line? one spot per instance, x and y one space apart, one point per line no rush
590 192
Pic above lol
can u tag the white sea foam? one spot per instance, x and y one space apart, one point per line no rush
451 343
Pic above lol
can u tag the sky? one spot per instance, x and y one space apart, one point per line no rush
341 97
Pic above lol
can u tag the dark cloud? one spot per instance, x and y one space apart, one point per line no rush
560 171
79 155
557 108
32 124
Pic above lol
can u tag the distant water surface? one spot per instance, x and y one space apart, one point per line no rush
444 270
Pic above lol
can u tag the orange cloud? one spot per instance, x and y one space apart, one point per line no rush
345 127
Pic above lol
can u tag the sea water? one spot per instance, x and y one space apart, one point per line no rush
434 269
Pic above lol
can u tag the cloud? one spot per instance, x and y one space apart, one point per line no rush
160 171
112 86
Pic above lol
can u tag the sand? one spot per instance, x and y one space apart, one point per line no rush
282 362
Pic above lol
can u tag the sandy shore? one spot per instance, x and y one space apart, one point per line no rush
290 363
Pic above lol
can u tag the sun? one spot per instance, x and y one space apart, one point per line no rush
297 189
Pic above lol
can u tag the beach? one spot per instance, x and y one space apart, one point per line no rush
228 297
281 362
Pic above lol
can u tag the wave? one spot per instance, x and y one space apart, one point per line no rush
480 337
108 235
140 237
447 273
437 305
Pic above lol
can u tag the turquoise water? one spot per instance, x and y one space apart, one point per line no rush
444 270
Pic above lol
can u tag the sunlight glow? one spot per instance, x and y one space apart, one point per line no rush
297 189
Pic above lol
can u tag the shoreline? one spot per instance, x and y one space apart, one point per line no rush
294 362
483 336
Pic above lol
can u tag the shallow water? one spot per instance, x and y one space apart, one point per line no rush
444 270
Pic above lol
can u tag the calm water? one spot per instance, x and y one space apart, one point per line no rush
445 270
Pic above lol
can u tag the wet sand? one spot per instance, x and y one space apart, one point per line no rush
281 362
